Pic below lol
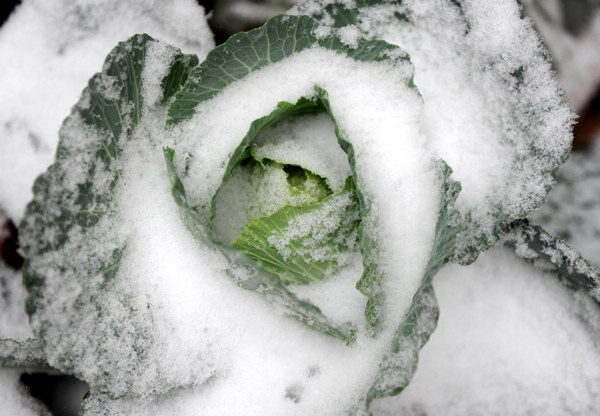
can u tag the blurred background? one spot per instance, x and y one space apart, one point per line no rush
569 28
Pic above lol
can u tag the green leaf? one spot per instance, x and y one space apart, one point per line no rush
398 367
297 244
534 244
246 52
245 272
258 190
307 182
63 232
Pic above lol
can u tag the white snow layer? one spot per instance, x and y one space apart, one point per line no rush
492 111
511 340
49 49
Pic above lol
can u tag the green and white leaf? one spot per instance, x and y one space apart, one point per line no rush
533 243
258 190
26 354
572 210
398 367
301 244
245 272
73 237
482 95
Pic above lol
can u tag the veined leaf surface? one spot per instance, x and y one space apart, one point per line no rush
72 234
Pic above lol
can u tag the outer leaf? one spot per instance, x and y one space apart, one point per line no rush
370 282
244 53
397 369
448 46
63 253
572 210
533 243
298 266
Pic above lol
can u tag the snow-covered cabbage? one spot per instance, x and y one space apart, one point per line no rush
257 232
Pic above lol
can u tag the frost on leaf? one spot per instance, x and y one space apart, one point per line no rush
492 109
212 156
76 235
572 211
547 252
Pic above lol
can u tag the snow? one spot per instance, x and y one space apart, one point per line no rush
511 339
49 49
308 141
492 109
13 324
350 35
